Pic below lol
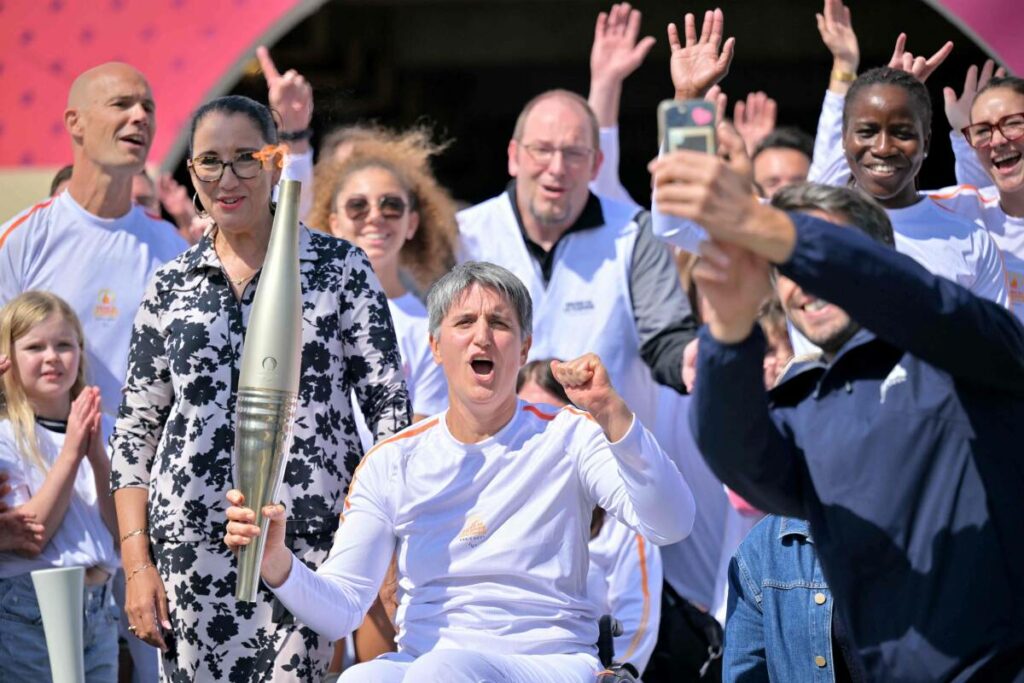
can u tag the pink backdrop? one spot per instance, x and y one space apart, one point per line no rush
192 49
188 49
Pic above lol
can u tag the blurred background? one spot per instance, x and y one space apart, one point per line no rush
466 67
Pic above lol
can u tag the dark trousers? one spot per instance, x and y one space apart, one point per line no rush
687 638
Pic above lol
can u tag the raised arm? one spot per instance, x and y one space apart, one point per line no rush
621 466
291 96
958 112
835 26
616 53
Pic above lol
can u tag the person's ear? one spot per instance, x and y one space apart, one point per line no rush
435 349
414 224
73 123
524 352
513 158
598 160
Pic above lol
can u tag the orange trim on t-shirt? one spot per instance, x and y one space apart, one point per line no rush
406 433
954 192
529 407
15 224
645 614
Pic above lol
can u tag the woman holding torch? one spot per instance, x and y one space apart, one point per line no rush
172 446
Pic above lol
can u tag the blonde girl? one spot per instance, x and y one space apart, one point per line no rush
51 447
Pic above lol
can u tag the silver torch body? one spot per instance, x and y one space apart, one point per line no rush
268 382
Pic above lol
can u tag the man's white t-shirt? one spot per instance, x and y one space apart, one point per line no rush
100 266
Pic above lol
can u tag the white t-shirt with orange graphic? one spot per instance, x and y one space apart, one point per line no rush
100 266
491 536
982 206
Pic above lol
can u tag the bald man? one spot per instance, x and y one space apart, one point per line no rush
90 244
599 279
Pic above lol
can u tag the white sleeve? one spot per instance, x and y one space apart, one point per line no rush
607 183
681 232
634 593
12 248
635 482
990 276
967 167
333 600
428 385
300 167
828 166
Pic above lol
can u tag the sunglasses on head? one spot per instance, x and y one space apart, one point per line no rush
389 206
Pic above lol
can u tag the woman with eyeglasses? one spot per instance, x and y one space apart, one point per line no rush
384 199
987 123
173 442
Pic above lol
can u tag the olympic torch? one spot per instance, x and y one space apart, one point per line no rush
268 384
59 593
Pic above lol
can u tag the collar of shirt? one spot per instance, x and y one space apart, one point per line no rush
204 256
591 217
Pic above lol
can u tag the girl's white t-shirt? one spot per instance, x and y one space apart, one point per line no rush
82 539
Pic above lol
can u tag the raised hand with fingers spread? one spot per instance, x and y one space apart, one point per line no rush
958 109
755 119
700 62
615 55
917 66
836 30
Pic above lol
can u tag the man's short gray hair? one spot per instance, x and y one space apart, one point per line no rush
851 206
450 288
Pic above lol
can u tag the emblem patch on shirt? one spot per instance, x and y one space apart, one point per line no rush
584 306
105 308
474 531
898 375
1016 287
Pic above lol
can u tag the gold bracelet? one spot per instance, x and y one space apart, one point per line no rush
136 532
140 568
843 76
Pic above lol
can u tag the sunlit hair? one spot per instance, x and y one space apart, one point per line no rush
884 75
20 315
595 132
852 206
1013 83
449 290
406 156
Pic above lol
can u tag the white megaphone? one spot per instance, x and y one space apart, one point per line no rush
59 593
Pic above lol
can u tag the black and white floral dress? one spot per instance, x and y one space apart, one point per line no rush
175 437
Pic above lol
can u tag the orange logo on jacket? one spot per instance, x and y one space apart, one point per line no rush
105 308
474 531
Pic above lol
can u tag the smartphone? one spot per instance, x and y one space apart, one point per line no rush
687 124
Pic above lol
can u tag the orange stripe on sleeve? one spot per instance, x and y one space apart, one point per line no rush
959 189
645 614
28 214
406 433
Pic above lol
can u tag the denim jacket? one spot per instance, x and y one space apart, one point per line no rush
779 624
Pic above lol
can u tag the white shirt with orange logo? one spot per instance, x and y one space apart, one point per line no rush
100 266
491 537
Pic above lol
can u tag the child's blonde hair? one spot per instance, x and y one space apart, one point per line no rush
18 317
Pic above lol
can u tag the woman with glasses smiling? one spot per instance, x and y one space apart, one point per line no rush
172 445
987 123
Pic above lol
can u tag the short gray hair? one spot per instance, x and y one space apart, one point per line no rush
852 206
450 288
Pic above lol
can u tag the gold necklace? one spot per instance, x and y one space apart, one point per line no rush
240 281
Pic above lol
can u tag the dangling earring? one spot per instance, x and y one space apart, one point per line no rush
201 212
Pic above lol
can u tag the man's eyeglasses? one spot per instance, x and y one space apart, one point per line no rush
980 134
389 205
571 155
209 168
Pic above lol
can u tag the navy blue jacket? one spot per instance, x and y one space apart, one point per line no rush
905 453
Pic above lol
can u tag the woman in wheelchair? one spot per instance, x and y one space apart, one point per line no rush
488 506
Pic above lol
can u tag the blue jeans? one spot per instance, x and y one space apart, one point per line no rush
23 654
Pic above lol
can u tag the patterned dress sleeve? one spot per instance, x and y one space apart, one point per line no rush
146 403
373 361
